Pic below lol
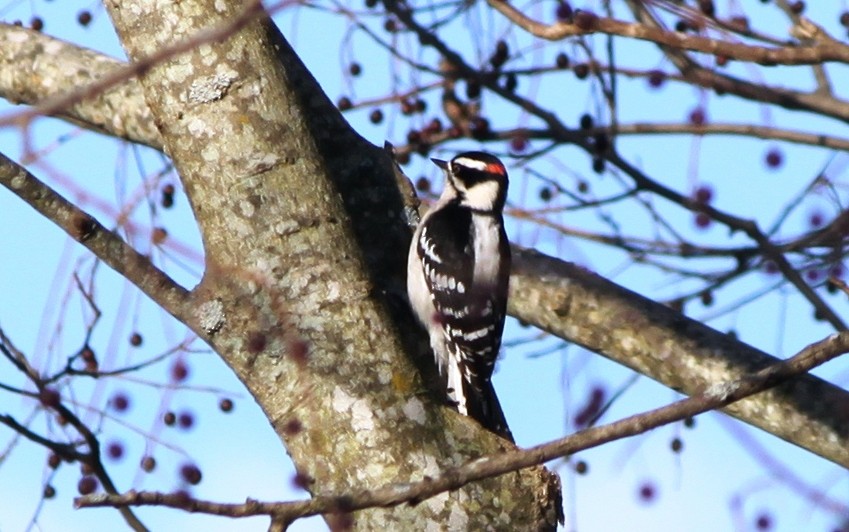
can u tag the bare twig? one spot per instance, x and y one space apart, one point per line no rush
822 47
716 396
105 244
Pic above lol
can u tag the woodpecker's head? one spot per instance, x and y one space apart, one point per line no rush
478 179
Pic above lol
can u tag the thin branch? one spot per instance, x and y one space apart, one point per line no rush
716 396
104 244
61 102
823 48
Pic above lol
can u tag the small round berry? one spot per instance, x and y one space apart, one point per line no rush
390 25
136 339
740 23
355 69
812 275
480 127
721 60
844 19
407 107
434 126
53 461
376 116
563 12
519 143
120 402
656 78
689 422
148 464
84 18
763 522
586 20
87 354
581 467
49 492
676 445
703 194
770 268
302 481
647 492
115 450
583 187
87 485
423 184
159 235
816 219
191 474
587 121
49 397
371 3
344 103
545 194
420 106
167 201
36 23
598 165
562 61
581 70
186 420
414 137
697 116
707 7
226 405
774 158
797 7
179 371
169 418
702 220
707 298
682 26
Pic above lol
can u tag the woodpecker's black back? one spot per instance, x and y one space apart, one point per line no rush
457 278
474 309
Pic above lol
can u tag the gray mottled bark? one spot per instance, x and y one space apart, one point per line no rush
681 353
286 197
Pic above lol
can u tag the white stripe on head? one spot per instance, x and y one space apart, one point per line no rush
470 163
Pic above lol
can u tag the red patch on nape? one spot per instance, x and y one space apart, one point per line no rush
496 168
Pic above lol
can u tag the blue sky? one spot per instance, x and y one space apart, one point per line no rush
720 480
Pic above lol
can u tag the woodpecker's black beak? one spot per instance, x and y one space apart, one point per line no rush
440 163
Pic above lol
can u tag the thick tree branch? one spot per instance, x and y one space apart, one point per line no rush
304 235
31 76
683 354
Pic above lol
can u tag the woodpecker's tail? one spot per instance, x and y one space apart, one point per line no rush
483 406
